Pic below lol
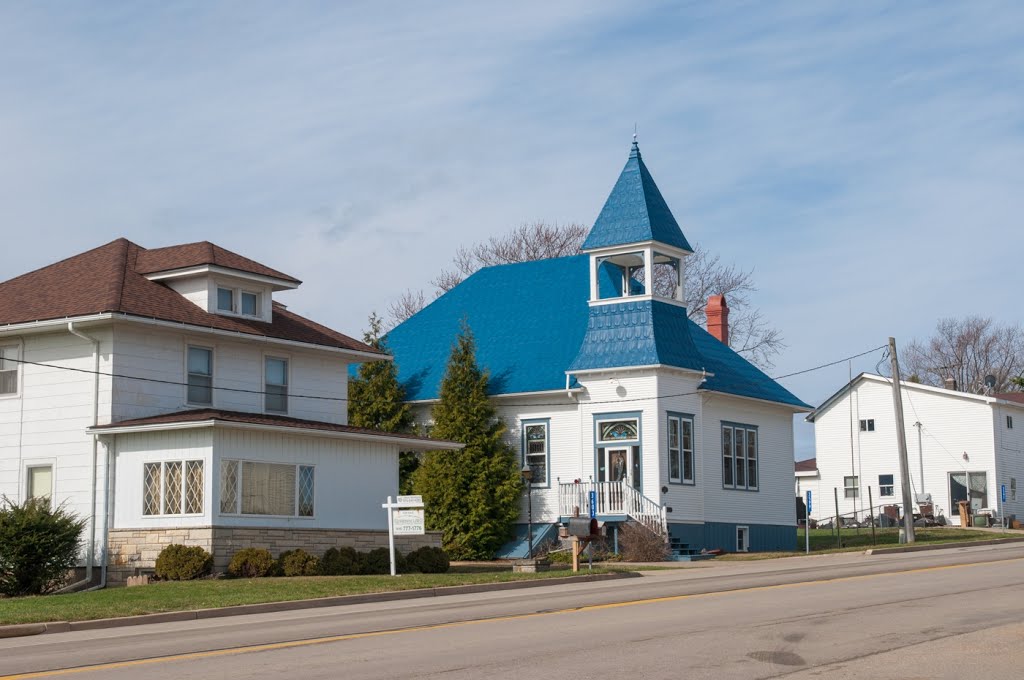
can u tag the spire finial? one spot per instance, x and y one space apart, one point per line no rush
635 151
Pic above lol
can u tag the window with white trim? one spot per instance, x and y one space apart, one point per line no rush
680 449
172 488
250 303
851 487
742 539
39 482
225 300
739 457
276 385
536 448
200 376
886 485
9 369
270 489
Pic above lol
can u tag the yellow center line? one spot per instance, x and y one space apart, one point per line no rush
438 626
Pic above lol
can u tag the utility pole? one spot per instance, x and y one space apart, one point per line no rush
901 436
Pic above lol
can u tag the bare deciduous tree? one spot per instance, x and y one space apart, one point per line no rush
410 302
968 349
705 275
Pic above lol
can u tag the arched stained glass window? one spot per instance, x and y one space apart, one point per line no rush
618 430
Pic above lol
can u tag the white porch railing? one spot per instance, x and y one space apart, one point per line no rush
613 498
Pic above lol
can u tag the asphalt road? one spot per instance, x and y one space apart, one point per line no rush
944 614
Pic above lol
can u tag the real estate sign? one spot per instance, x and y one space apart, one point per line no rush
409 522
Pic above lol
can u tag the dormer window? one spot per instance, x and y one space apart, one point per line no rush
225 300
250 304
238 301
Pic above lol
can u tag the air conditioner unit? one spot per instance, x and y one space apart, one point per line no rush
924 498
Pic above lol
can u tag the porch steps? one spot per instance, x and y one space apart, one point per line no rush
519 547
682 552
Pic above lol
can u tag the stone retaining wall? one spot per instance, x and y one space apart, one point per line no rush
134 551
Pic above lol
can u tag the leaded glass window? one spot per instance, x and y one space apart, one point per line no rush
618 430
229 486
172 488
151 482
193 487
305 491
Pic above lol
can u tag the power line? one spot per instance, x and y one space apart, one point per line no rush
345 399
831 363
167 382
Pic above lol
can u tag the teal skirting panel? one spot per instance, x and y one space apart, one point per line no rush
711 535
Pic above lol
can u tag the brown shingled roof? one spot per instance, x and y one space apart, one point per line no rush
809 465
196 254
208 414
106 279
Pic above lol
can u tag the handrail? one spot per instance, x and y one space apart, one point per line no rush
613 498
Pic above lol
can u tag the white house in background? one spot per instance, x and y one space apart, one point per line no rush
960 446
808 479
167 397
607 386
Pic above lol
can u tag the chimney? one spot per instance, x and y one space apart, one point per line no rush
950 384
718 318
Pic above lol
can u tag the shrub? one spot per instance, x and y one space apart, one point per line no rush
428 560
183 562
378 561
343 561
637 543
38 547
297 563
251 563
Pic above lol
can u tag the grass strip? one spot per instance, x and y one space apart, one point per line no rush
173 596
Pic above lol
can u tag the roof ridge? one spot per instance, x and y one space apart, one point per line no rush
66 259
118 283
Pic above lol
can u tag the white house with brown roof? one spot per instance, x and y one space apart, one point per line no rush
961 446
166 396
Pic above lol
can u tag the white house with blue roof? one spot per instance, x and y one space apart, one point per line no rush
607 387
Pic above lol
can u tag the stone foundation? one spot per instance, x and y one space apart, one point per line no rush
133 552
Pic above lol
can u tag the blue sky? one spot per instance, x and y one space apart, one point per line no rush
865 159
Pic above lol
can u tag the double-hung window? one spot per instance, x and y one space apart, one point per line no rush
8 369
851 487
680 449
536 448
886 486
200 376
276 385
274 489
739 457
172 488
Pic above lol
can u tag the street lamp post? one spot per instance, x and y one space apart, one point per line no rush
527 473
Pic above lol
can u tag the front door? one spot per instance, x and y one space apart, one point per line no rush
621 464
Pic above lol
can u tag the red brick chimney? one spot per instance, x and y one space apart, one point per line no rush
718 318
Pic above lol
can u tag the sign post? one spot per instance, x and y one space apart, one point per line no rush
405 518
807 523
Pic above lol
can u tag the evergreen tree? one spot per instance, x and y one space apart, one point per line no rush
377 400
471 495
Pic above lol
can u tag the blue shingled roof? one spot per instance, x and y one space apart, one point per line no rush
531 320
635 211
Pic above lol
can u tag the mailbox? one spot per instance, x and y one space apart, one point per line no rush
582 527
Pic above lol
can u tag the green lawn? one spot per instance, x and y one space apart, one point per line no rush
825 541
203 594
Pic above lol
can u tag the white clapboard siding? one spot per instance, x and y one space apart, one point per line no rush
960 433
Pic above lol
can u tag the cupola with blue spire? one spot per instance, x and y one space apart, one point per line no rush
637 258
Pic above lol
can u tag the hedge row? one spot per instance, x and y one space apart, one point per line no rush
182 563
